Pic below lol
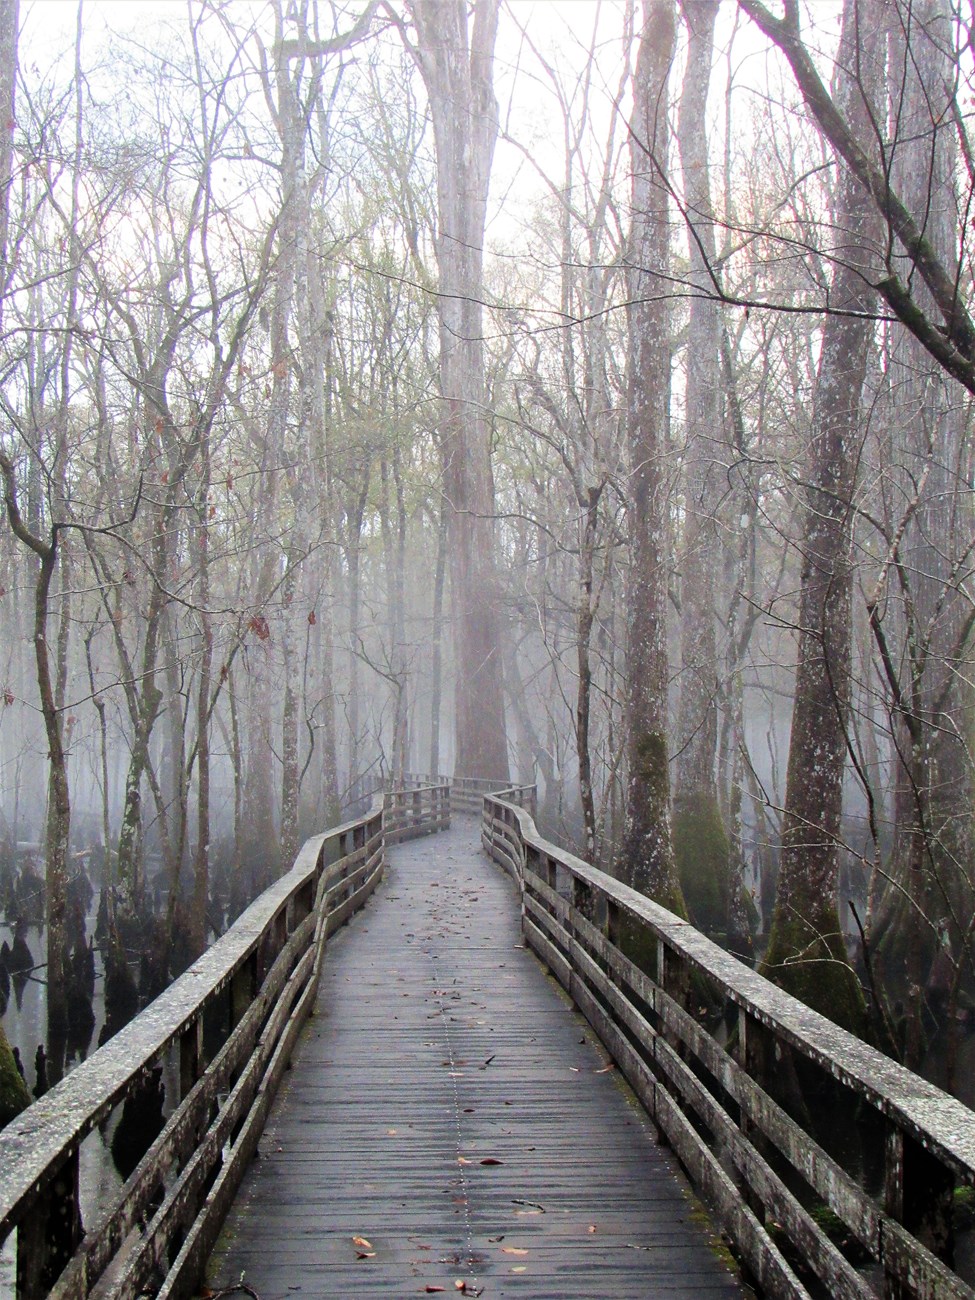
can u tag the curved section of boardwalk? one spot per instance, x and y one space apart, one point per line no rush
449 1110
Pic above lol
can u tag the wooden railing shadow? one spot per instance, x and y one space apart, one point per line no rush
757 1094
226 1029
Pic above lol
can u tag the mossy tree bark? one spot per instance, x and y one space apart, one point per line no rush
14 1093
646 858
806 952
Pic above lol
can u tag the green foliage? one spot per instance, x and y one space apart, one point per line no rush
14 1096
703 854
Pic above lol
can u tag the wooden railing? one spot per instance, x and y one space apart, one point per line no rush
226 1029
467 793
756 1106
422 808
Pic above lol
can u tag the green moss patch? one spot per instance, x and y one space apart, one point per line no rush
703 856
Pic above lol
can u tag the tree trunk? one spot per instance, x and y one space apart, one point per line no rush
456 64
700 838
436 671
806 952
646 858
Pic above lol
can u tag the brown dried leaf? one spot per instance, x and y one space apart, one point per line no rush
361 1241
514 1250
490 1160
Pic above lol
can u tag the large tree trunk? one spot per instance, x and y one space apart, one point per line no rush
646 858
456 63
700 838
806 953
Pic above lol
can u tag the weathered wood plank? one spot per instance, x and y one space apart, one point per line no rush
439 1044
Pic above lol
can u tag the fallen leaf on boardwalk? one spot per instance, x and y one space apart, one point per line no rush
519 1268
391 1132
462 1160
430 1289
574 1069
365 1254
499 1238
361 1241
592 1228
533 1205
488 1061
514 1250
491 1160
606 1068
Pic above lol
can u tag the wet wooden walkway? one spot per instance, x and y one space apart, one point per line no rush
450 1123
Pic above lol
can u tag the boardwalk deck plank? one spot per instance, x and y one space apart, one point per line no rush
439 1043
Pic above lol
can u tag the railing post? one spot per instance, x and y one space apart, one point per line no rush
918 1193
754 1047
756 1055
275 939
613 922
49 1235
243 986
190 1056
584 902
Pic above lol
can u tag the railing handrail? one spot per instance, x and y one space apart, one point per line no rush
288 923
559 914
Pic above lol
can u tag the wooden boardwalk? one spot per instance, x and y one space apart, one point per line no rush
451 1124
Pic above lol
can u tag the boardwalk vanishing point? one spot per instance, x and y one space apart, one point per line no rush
451 1124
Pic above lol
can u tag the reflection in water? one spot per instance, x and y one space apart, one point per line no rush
141 1121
